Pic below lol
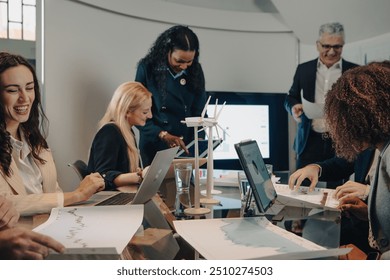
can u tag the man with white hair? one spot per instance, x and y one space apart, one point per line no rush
306 97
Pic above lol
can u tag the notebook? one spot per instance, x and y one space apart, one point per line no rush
148 188
256 172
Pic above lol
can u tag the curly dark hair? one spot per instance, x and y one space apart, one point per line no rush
34 128
177 37
357 109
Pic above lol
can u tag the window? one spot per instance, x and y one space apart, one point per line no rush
17 19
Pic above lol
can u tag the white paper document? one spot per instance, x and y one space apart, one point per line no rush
312 110
318 198
248 238
93 230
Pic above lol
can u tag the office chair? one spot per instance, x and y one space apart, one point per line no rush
80 167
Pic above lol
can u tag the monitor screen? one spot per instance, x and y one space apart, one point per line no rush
250 116
235 129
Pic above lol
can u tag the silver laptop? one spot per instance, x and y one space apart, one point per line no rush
148 188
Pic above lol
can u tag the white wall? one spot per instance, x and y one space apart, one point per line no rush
88 52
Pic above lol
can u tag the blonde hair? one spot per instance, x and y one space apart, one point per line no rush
127 97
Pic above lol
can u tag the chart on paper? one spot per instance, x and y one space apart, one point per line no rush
92 227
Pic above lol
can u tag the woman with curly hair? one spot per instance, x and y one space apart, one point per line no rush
357 112
28 174
172 73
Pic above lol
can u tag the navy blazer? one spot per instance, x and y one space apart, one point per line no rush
305 80
168 112
336 168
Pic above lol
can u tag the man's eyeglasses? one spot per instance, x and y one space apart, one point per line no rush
328 47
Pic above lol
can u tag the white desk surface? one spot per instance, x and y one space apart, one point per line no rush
248 238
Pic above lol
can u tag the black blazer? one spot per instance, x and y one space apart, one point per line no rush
336 168
168 110
305 80
108 154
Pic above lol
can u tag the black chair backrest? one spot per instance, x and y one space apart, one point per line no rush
80 167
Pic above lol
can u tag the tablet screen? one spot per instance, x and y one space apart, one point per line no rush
256 172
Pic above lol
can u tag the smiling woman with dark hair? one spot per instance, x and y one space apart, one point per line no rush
357 113
28 175
172 73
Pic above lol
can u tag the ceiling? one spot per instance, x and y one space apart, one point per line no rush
250 6
362 19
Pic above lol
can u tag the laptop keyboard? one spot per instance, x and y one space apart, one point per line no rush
121 198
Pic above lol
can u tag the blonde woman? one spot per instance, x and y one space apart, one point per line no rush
114 152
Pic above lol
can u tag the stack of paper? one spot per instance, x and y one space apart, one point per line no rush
93 232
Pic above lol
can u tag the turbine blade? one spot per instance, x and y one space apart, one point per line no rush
223 105
205 107
215 108
216 128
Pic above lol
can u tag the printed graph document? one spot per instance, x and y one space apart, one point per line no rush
248 238
318 198
104 230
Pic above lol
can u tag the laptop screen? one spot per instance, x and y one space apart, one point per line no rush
256 172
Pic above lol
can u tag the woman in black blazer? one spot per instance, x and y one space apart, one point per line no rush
114 152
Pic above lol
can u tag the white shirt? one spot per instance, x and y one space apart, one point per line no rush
28 169
325 78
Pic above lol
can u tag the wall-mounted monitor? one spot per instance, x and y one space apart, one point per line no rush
251 115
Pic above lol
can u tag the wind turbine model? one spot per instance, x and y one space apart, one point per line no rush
196 122
210 123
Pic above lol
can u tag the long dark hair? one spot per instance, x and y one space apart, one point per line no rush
34 128
177 37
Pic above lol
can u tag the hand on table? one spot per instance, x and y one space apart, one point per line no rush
351 189
354 206
308 172
23 244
